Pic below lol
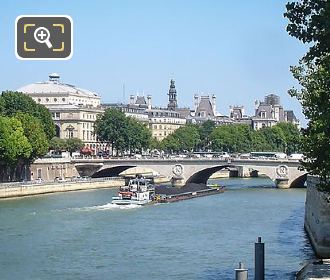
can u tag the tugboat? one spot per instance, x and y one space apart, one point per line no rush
138 192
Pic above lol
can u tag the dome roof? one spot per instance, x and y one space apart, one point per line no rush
55 86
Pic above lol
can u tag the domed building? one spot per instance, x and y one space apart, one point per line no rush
74 109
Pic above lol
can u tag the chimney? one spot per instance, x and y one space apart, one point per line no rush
196 101
131 99
214 101
149 102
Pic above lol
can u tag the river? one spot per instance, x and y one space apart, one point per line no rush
79 235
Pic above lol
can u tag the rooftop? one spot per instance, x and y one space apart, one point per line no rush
53 85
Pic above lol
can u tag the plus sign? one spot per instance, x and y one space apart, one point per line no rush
41 34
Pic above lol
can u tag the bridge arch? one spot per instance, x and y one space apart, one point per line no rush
113 171
299 182
202 176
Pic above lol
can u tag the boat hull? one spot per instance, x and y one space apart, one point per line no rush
130 202
188 195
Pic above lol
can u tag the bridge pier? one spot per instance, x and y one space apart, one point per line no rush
282 183
178 181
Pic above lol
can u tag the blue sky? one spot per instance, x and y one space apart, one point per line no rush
238 50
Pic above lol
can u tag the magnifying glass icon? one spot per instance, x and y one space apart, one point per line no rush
41 35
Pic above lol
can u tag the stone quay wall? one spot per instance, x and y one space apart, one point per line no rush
317 218
49 168
11 190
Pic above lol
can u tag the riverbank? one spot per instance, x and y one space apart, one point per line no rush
21 189
317 226
315 269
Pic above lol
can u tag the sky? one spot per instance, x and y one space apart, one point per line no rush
238 50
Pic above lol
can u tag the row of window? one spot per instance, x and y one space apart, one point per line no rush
49 99
161 134
88 135
166 114
89 116
88 125
168 120
55 99
155 126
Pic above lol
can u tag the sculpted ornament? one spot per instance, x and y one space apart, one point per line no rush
177 169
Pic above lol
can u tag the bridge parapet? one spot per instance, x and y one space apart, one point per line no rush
181 171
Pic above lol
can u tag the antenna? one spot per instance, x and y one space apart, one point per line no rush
124 97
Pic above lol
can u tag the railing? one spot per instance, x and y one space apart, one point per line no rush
48 182
101 159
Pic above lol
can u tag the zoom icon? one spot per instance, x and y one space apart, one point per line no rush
43 37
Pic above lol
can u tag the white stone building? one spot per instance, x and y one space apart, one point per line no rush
74 109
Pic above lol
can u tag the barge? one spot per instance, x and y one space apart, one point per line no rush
167 198
141 191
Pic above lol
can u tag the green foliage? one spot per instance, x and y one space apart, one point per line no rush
14 102
275 138
155 144
309 22
283 137
73 145
232 138
185 138
315 99
205 130
171 144
33 130
123 133
58 144
292 137
13 143
242 138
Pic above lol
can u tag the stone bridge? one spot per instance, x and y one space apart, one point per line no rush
284 173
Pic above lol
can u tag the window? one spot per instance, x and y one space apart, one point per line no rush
69 131
39 172
55 99
263 114
39 99
47 99
63 99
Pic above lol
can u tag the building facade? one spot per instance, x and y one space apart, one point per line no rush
74 110
270 112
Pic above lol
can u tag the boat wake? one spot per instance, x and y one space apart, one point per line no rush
108 206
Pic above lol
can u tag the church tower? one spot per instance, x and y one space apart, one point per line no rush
172 102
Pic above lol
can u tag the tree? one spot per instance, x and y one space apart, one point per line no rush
275 138
137 135
14 147
155 144
14 102
205 130
110 126
171 144
185 138
33 131
309 22
123 133
232 138
58 144
73 145
292 137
